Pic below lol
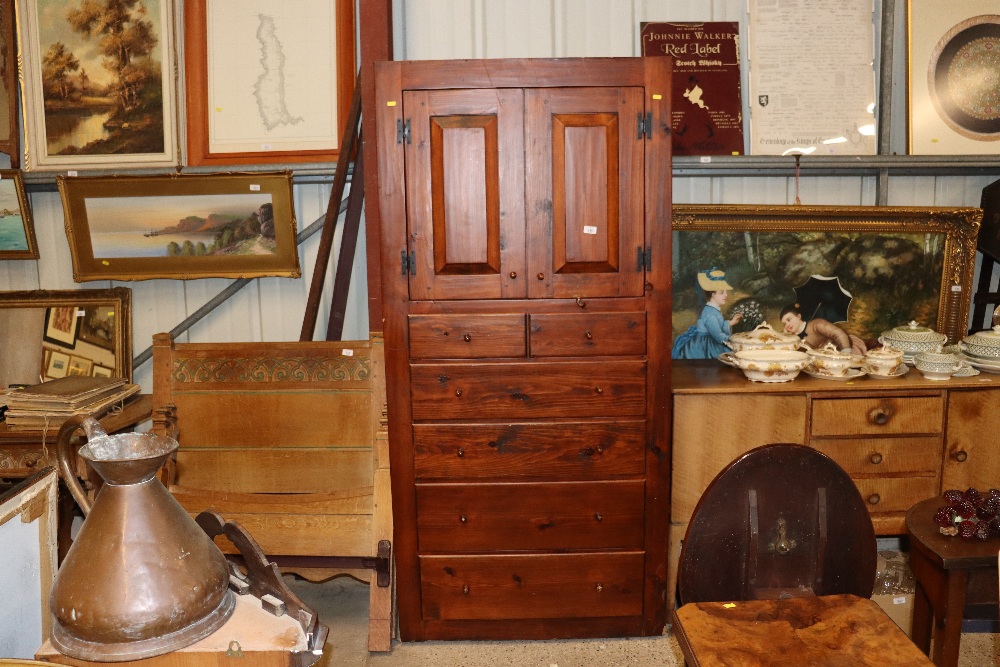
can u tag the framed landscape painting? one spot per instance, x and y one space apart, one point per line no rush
180 226
17 231
866 269
98 83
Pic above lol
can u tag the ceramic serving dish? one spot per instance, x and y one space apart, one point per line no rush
829 360
913 339
770 365
984 344
937 365
884 360
764 337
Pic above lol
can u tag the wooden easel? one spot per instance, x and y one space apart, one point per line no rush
352 223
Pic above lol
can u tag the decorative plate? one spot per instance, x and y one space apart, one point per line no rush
852 374
963 78
902 370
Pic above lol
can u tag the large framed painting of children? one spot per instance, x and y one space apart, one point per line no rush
844 274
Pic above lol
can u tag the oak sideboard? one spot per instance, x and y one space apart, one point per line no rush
901 440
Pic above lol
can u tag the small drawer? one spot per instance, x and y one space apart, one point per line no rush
877 415
467 336
587 334
564 450
500 587
895 494
462 518
880 456
527 390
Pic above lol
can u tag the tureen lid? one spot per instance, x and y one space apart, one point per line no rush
764 333
830 351
913 333
886 351
990 338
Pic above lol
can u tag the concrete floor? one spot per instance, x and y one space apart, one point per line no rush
342 604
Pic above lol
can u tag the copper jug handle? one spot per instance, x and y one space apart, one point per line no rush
66 453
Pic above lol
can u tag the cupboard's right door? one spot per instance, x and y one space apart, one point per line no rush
465 193
584 188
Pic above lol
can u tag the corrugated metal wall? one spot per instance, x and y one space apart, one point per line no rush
272 308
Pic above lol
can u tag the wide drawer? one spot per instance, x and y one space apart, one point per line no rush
887 494
518 390
506 517
561 450
877 415
587 334
879 456
498 587
467 336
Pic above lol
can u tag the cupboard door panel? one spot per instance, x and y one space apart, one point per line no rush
524 390
972 443
465 193
583 191
462 518
562 450
538 586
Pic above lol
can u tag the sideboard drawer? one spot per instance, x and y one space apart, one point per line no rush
527 390
563 450
507 517
587 334
881 456
540 586
896 494
467 336
877 415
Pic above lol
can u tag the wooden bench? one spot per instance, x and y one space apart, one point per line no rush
288 440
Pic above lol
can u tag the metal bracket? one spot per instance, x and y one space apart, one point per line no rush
645 125
644 258
403 131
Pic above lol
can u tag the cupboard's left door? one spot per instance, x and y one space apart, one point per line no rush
464 161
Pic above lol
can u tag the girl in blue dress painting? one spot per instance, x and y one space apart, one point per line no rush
707 338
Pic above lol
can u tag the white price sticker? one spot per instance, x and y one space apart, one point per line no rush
265 147
347 353
71 172
589 229
254 187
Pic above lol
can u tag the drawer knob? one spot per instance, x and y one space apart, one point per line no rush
874 499
465 589
513 274
580 302
461 452
541 276
467 337
880 415
463 519
599 390
588 335
876 458
599 517
960 456
458 392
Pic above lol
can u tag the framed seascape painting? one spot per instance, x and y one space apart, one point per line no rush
953 86
267 82
17 231
97 83
863 270
180 226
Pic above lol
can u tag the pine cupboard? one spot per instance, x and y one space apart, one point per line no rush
525 249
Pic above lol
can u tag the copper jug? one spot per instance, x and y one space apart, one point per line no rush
142 578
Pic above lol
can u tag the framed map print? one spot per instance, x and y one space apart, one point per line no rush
953 77
97 83
267 82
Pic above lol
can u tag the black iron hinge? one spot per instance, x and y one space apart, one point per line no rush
403 130
645 125
644 258
408 262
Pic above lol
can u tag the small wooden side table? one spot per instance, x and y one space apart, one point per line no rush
949 572
815 630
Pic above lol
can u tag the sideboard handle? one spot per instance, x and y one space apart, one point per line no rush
876 458
874 499
879 415
960 456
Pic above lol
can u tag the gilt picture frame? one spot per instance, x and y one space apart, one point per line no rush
895 264
88 103
10 142
182 226
17 228
61 325
267 82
